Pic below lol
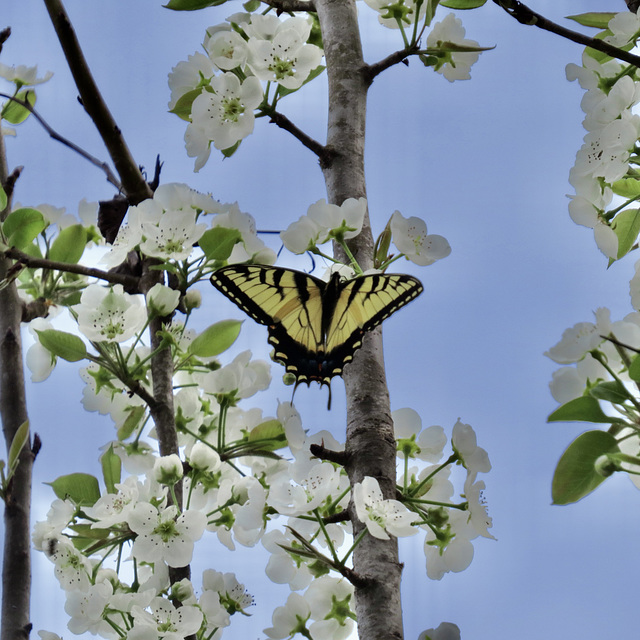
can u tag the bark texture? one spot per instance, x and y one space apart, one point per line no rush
370 445
16 568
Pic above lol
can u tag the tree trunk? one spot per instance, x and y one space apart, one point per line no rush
370 445
16 570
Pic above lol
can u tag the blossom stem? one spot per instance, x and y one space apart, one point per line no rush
327 537
356 542
452 458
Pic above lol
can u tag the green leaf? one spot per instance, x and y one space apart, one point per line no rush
62 344
576 476
626 187
15 113
462 4
111 469
218 243
270 433
184 103
251 5
229 151
215 339
634 368
432 5
611 391
83 489
131 422
22 226
3 199
583 409
87 535
69 245
596 19
18 442
626 226
192 5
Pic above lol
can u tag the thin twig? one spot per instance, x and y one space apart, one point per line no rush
283 122
372 70
41 263
524 15
56 136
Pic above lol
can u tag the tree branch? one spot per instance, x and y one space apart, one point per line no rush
373 70
56 136
289 6
41 263
524 15
133 182
279 119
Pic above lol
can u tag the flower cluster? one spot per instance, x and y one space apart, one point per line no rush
325 222
599 377
219 92
233 490
604 175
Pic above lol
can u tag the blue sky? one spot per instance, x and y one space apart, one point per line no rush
485 162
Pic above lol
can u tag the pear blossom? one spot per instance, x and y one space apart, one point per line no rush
188 75
290 619
165 621
457 64
283 56
411 239
114 508
162 300
320 480
251 247
625 28
381 516
579 339
168 469
72 568
479 519
108 313
455 553
233 595
204 458
464 442
47 532
428 444
172 236
177 196
163 536
242 378
40 361
444 631
227 50
568 383
282 568
129 235
86 609
330 600
226 115
324 222
22 75
390 14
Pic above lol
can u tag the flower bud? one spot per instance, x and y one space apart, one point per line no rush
168 469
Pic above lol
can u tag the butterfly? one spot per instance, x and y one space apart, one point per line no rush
314 326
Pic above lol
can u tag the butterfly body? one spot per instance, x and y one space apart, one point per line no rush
314 326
